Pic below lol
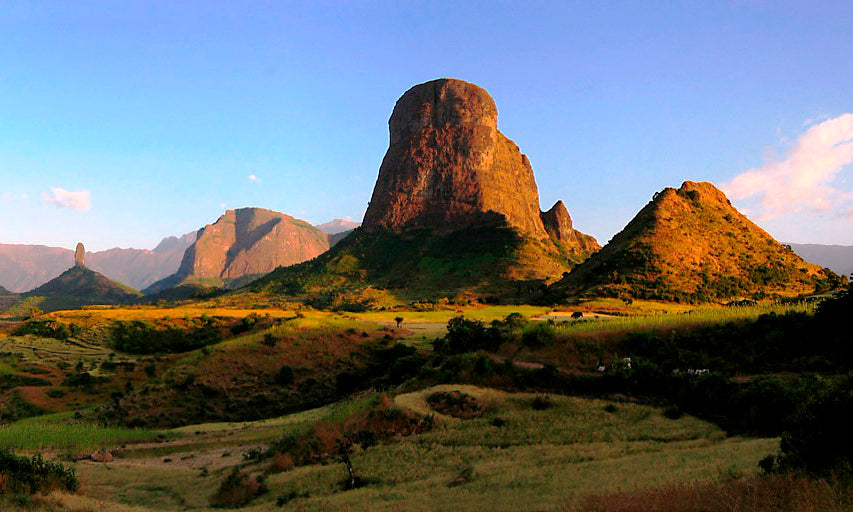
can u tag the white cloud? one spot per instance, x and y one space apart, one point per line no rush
222 206
62 198
807 178
254 179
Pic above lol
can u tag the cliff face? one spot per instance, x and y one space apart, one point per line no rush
448 166
691 243
246 242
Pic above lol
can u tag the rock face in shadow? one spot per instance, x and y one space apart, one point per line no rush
245 242
448 166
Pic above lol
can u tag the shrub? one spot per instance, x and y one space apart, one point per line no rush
238 490
270 340
541 402
673 412
22 475
456 403
284 377
539 335
817 438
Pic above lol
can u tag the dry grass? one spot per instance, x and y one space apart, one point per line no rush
778 493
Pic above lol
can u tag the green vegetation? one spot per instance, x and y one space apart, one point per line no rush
22 475
416 265
142 338
63 432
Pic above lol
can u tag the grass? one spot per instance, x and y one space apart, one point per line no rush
693 318
537 459
62 433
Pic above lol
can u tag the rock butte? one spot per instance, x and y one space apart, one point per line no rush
448 166
246 242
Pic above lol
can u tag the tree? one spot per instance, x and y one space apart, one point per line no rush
399 321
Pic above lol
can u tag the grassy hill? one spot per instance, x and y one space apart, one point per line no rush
80 286
690 244
490 261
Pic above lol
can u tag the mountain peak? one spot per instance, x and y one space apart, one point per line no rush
690 243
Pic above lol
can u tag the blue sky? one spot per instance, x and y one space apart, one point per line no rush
157 113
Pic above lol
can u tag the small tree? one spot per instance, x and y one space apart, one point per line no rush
399 321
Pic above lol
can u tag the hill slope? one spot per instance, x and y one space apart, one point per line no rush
80 286
244 243
691 244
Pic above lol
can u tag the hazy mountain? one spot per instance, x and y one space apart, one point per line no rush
24 267
691 244
839 258
337 226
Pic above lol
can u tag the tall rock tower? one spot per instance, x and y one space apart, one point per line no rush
80 255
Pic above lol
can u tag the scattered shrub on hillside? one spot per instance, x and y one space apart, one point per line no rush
45 329
270 340
456 403
465 335
541 402
365 429
465 475
238 490
83 380
817 438
285 375
22 475
538 335
673 412
139 337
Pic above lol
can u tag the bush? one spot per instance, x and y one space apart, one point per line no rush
238 490
139 337
22 475
539 335
818 436
541 402
45 329
284 377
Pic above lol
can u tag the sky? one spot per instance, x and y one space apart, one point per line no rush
125 122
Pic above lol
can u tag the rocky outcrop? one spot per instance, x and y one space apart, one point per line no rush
245 242
80 255
448 166
558 224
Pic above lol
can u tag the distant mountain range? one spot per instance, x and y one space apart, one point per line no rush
337 226
838 258
24 267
